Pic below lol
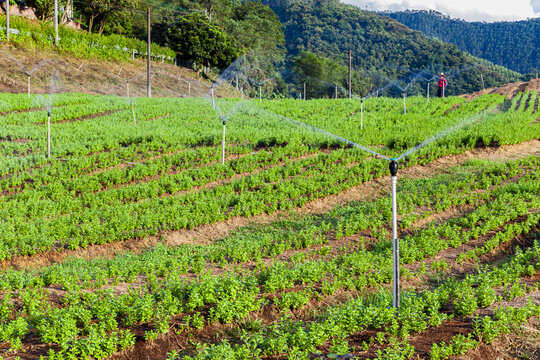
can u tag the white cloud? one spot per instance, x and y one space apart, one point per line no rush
470 10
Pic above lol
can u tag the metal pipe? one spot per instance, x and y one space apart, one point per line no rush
362 114
148 64
7 20
29 86
127 89
427 93
395 240
336 92
483 85
48 135
55 22
212 91
133 111
223 144
189 88
404 104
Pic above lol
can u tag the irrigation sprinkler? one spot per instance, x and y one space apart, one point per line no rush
127 89
483 86
223 143
56 22
48 134
133 112
395 241
336 92
8 5
189 88
212 92
28 85
404 103
427 94
361 113
260 94
393 167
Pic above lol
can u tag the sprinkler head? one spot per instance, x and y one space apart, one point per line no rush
393 167
224 122
49 113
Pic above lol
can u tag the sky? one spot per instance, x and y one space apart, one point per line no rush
470 10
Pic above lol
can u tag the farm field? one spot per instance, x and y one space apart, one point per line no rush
134 241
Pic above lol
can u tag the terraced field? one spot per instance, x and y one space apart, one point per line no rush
134 241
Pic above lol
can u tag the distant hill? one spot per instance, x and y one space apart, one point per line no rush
515 45
381 47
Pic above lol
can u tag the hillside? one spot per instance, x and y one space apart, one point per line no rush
90 63
95 76
382 48
497 42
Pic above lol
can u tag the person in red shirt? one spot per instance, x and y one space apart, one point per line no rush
442 85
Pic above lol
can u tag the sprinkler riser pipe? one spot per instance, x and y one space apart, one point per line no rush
427 93
394 167
361 114
213 103
260 95
49 135
29 86
133 112
223 144
395 246
404 104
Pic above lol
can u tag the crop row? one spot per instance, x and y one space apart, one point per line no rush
231 295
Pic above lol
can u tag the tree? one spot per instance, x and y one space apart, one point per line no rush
194 38
101 12
44 8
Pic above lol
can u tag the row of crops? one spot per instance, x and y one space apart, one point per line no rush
313 284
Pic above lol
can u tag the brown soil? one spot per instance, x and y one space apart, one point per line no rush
508 90
98 76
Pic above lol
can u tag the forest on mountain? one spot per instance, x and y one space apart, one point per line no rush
383 49
498 42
